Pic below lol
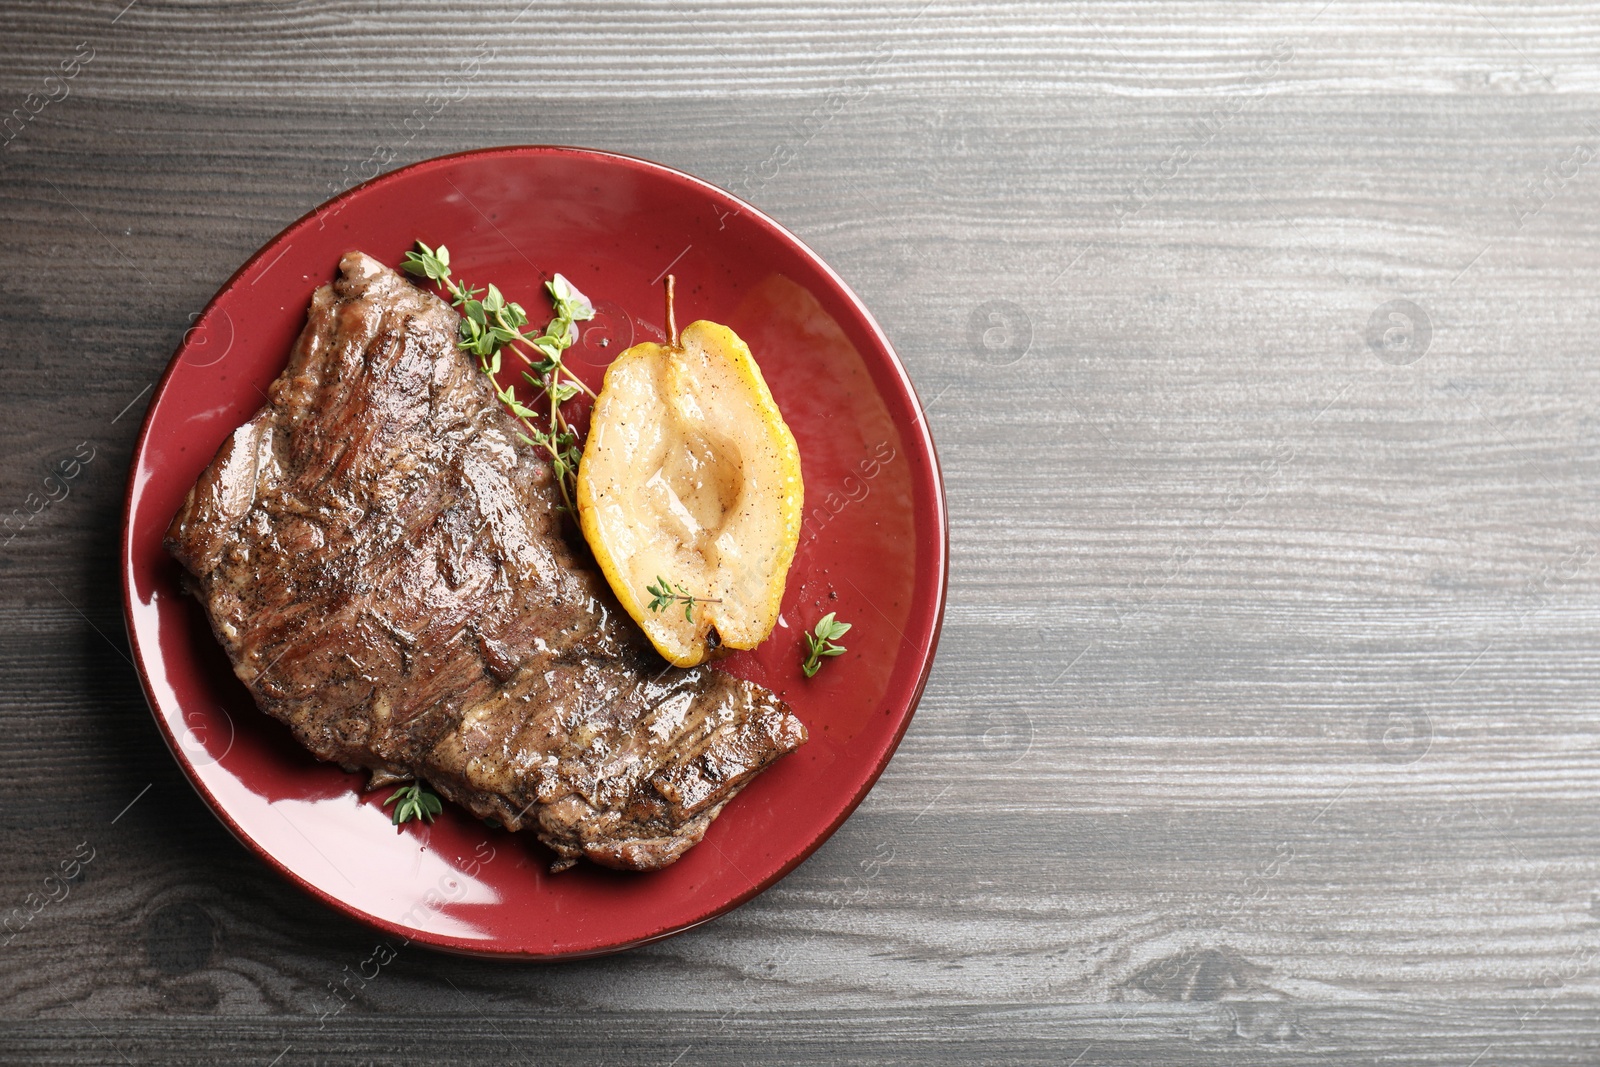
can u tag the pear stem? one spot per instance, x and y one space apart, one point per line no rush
672 317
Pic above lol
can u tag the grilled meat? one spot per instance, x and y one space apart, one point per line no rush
382 557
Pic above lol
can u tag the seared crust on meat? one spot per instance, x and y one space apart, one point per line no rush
381 555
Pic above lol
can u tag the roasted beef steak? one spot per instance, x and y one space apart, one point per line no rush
382 557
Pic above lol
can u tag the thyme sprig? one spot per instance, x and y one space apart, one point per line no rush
491 324
416 802
820 642
666 594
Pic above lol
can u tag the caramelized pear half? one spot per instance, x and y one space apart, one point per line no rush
691 478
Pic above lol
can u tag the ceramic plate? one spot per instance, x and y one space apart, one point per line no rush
873 549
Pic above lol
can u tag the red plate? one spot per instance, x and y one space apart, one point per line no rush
874 547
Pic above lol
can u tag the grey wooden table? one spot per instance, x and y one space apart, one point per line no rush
1259 340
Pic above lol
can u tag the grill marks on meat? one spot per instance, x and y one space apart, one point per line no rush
381 556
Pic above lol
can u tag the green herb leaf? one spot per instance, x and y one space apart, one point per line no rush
548 347
428 263
661 591
415 802
666 594
819 643
569 302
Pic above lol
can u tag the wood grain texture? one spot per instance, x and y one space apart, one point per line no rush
1264 724
368 51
